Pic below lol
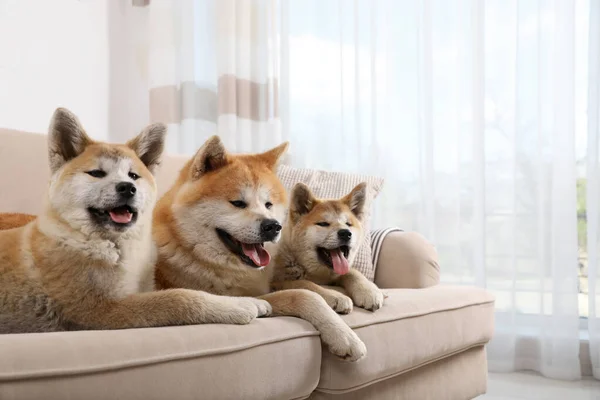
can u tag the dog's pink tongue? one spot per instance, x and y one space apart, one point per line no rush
257 253
120 216
340 264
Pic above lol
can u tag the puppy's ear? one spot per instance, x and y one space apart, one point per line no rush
272 157
66 138
149 145
356 200
302 201
210 157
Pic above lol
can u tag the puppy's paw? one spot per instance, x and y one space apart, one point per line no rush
263 306
344 343
368 296
238 310
242 312
340 303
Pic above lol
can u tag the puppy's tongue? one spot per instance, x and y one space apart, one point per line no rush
340 264
257 253
120 215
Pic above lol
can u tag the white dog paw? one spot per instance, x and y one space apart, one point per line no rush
263 306
368 297
344 343
242 312
340 303
238 310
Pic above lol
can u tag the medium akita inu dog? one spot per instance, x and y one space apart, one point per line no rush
318 247
211 227
87 262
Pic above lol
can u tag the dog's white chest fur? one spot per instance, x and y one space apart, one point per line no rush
137 265
128 267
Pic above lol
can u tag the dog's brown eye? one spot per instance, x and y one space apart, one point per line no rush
348 223
323 223
96 173
268 204
239 203
134 176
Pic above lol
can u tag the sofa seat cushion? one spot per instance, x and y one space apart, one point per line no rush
271 358
413 328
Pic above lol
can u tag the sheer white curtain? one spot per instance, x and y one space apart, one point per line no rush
475 112
212 69
593 188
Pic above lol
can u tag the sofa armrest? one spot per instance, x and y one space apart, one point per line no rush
406 260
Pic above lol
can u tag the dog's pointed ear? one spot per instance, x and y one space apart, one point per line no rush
210 157
66 138
272 157
149 145
356 200
302 201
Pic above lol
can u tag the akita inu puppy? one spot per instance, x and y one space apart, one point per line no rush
318 246
211 228
87 262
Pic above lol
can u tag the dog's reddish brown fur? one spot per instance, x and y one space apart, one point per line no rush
14 220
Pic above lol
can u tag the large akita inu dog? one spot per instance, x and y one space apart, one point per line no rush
211 227
87 262
319 244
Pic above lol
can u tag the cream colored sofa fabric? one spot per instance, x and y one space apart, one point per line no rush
414 328
419 267
461 376
184 362
427 342
25 173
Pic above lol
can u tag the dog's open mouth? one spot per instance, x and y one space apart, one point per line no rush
120 216
252 254
335 258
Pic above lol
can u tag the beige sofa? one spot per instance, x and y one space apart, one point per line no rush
427 342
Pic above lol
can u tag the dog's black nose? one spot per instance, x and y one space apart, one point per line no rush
126 189
269 229
344 234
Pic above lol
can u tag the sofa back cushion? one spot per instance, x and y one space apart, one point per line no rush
24 171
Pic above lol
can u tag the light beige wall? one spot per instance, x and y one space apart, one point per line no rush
54 53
